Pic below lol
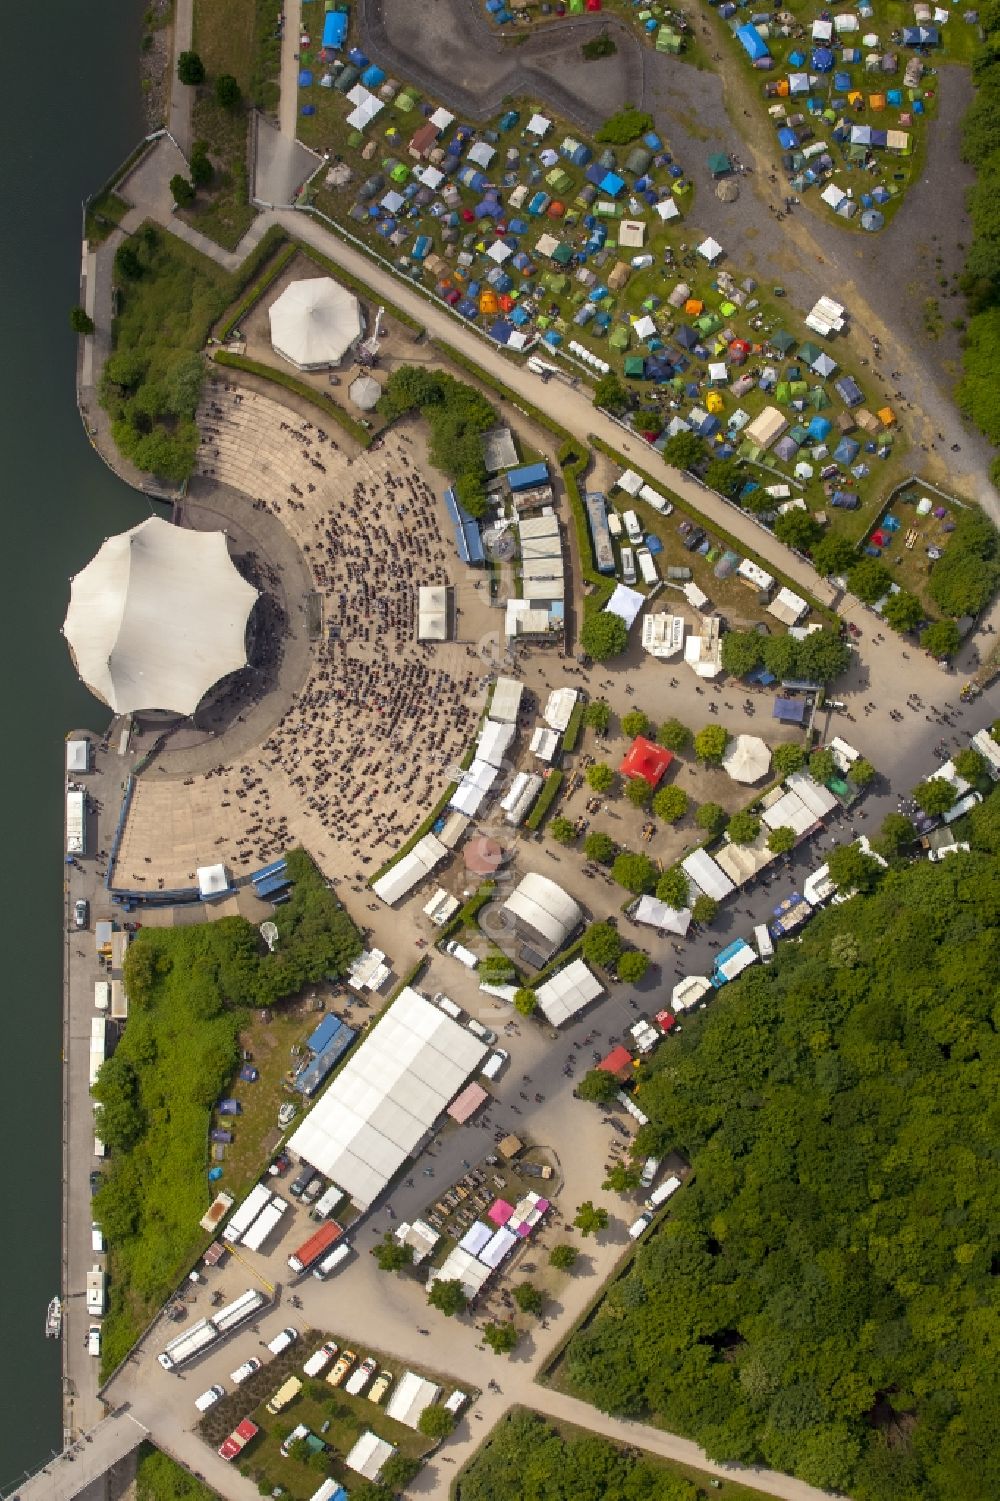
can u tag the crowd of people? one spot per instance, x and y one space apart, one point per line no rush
369 741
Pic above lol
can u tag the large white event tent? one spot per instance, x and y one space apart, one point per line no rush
158 617
387 1096
315 322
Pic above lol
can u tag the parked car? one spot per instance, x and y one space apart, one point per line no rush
282 1340
320 1359
287 1113
342 1367
380 1386
279 1167
94 1340
245 1371
208 1399
81 913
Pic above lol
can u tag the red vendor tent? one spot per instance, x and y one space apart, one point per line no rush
646 759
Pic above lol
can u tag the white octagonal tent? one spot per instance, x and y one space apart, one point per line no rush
315 322
158 617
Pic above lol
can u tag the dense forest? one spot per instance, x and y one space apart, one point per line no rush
526 1459
823 1296
191 990
979 390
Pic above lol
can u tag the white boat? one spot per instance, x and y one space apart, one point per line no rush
53 1319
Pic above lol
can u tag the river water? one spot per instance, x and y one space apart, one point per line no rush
69 113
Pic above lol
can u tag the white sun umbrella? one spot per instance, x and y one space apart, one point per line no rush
747 759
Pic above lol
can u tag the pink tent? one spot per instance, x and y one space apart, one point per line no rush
500 1211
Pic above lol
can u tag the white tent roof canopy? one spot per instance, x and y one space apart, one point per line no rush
546 908
387 1096
315 322
158 617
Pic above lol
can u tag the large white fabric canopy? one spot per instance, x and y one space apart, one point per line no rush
158 617
387 1096
315 322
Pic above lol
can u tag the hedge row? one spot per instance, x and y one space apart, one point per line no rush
546 798
291 383
573 464
574 727
258 289
424 828
466 916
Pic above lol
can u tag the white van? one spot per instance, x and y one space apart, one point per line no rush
97 1239
628 565
320 1359
456 1402
632 526
330 1263
650 1168
281 1341
208 1399
478 1030
647 565
447 1005
765 946
639 1225
614 524
461 953
494 1063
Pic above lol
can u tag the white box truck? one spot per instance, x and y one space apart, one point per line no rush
255 1201
268 1220
236 1313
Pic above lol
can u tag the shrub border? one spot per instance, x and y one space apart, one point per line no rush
300 388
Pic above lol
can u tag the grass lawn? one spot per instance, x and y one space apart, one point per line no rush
238 37
223 210
159 1478
318 1403
173 305
911 567
103 213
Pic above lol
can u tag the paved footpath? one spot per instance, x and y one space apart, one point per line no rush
86 1462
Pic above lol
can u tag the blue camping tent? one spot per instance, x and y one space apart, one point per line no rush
752 42
334 29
